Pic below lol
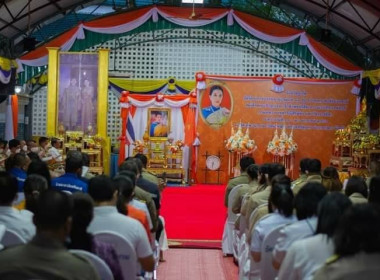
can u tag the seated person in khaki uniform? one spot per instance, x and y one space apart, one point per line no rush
302 172
313 171
252 186
242 179
261 197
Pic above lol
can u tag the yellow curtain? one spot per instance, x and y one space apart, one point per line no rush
149 85
373 75
6 63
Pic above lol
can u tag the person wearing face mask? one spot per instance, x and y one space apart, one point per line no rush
23 146
32 146
14 147
53 151
43 149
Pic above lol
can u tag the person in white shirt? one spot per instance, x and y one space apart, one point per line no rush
306 204
53 151
305 256
106 217
10 217
280 206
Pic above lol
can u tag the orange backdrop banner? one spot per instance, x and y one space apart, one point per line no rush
315 109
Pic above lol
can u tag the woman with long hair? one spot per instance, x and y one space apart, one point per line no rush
330 179
280 206
80 239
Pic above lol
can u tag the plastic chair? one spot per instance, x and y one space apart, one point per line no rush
124 249
12 238
100 266
228 235
2 231
267 270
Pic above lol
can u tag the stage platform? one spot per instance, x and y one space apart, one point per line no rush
194 215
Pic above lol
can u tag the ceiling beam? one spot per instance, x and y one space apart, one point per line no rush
318 4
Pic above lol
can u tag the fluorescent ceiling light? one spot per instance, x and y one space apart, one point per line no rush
192 1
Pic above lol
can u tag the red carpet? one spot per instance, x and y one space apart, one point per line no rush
195 214
193 264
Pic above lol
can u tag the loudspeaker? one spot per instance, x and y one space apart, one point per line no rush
29 43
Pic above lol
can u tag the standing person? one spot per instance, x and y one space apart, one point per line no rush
45 256
71 102
88 104
215 114
241 179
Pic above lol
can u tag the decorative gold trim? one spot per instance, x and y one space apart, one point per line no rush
102 99
103 106
52 92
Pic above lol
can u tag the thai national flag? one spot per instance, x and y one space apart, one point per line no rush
130 131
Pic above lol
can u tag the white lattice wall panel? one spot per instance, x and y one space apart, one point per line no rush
181 53
113 117
39 112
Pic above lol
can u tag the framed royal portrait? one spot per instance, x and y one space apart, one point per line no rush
216 105
77 98
77 91
159 123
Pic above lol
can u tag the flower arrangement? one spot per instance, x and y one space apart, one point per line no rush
282 145
139 146
176 147
240 142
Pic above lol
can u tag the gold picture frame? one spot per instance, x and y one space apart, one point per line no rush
101 104
158 124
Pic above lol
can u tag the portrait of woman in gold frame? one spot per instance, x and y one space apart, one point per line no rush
159 120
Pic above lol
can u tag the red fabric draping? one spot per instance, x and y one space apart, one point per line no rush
266 29
332 56
266 26
14 102
119 19
57 42
185 12
124 111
